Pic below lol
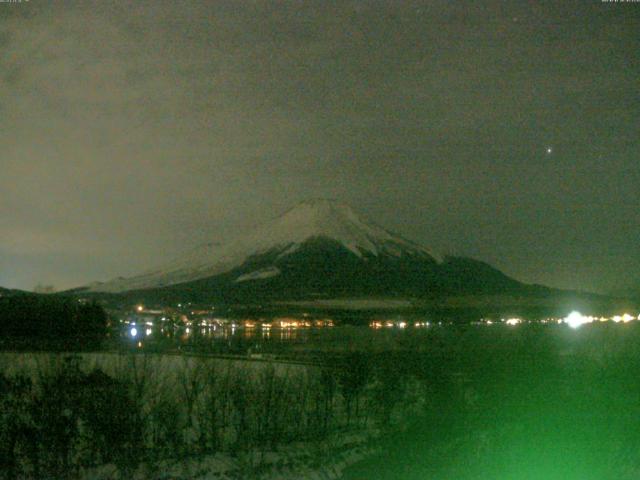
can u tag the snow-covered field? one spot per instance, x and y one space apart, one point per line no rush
298 461
167 369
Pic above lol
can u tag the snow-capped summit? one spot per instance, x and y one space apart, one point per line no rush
332 220
285 235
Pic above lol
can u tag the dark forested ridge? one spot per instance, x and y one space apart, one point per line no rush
30 319
7 292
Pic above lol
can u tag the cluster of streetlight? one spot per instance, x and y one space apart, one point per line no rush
376 324
574 320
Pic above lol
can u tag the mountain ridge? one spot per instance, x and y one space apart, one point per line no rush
323 253
318 218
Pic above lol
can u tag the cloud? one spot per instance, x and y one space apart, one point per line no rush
135 130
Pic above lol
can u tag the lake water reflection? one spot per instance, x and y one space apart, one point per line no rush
257 339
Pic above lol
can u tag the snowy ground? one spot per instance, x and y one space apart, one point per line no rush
297 461
165 368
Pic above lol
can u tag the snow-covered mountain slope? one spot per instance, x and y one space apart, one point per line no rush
324 219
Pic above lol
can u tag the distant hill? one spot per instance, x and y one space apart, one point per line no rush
30 320
6 292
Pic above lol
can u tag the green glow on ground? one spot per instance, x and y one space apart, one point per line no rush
545 406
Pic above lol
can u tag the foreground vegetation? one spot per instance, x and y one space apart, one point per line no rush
61 420
522 402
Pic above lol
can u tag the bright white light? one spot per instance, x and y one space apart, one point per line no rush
575 319
148 331
402 324
622 318
134 332
513 321
549 149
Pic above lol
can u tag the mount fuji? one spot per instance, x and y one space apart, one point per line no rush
318 249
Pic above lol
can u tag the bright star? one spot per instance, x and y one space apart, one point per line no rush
549 149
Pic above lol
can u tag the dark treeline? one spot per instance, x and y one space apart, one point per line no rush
35 321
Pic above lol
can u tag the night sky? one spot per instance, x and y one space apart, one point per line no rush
507 131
